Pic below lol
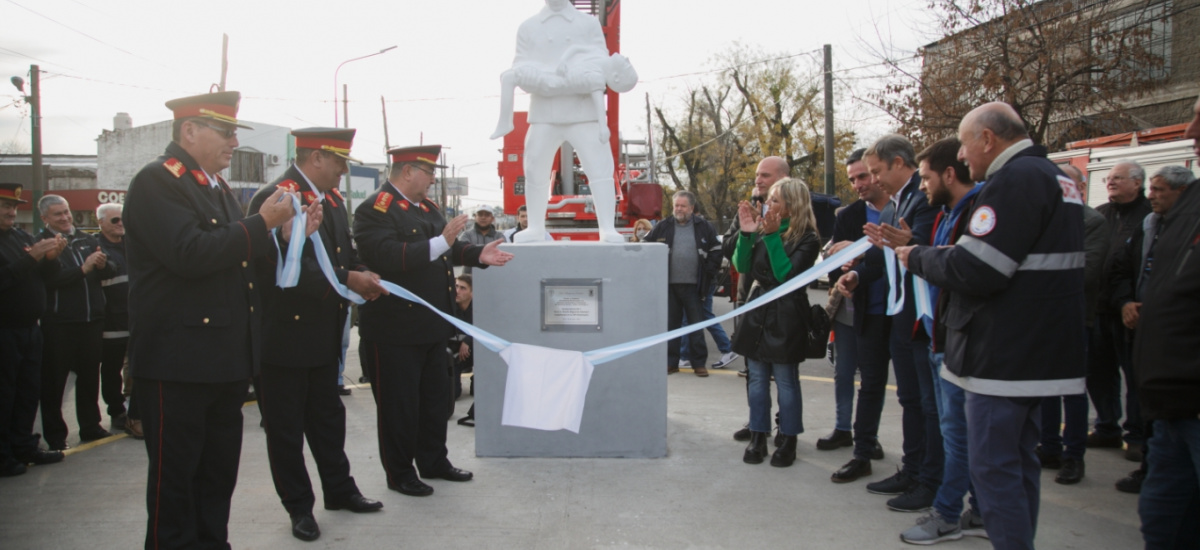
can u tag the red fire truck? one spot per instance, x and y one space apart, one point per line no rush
570 213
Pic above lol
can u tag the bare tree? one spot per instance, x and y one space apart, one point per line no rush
1066 66
13 147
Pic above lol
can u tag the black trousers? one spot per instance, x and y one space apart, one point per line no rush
20 385
70 347
411 385
298 404
112 359
193 440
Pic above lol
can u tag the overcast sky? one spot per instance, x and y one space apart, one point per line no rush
103 57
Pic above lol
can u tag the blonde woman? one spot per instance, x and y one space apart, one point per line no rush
641 228
772 249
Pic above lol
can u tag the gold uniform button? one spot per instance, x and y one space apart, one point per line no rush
251 286
214 220
206 320
251 309
339 250
414 231
245 264
296 317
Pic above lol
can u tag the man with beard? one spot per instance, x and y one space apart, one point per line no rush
694 261
302 337
948 185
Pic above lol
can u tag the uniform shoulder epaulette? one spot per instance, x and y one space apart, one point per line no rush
175 167
428 205
201 179
383 202
289 185
309 197
339 194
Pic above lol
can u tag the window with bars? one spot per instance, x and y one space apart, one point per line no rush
248 166
1148 28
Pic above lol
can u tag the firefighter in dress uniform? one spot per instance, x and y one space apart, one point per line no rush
194 315
302 336
403 237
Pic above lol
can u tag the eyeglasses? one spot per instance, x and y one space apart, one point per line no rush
429 171
223 132
115 220
1115 178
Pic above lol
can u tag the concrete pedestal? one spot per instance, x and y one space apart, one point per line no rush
625 414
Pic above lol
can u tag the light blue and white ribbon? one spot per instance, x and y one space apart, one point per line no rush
287 272
924 304
895 297
604 355
327 268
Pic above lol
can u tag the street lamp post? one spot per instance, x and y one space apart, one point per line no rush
335 76
346 123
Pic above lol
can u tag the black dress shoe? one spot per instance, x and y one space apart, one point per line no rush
343 390
1049 461
413 488
877 451
1071 472
742 434
853 470
58 445
355 503
836 440
304 527
1132 483
12 468
41 458
898 484
94 433
452 474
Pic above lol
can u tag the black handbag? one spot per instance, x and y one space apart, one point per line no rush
819 326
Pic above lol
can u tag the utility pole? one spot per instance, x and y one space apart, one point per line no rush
346 124
829 120
224 59
650 143
39 175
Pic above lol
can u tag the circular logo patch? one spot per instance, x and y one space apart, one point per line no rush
983 221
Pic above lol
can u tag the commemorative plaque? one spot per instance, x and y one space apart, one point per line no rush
571 305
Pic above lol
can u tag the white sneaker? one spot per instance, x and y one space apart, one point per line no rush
725 360
685 364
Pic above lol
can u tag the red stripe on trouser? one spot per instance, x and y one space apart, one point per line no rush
378 386
158 484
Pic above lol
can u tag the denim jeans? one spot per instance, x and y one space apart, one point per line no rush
956 475
846 343
758 396
873 355
718 333
1105 368
1170 498
684 299
922 444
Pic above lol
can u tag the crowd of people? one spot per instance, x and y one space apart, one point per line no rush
1000 299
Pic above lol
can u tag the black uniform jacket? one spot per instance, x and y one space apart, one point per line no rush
22 280
393 239
73 296
302 326
194 310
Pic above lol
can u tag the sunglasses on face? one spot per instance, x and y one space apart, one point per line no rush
115 220
223 132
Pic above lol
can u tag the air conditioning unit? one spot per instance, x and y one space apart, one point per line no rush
272 160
